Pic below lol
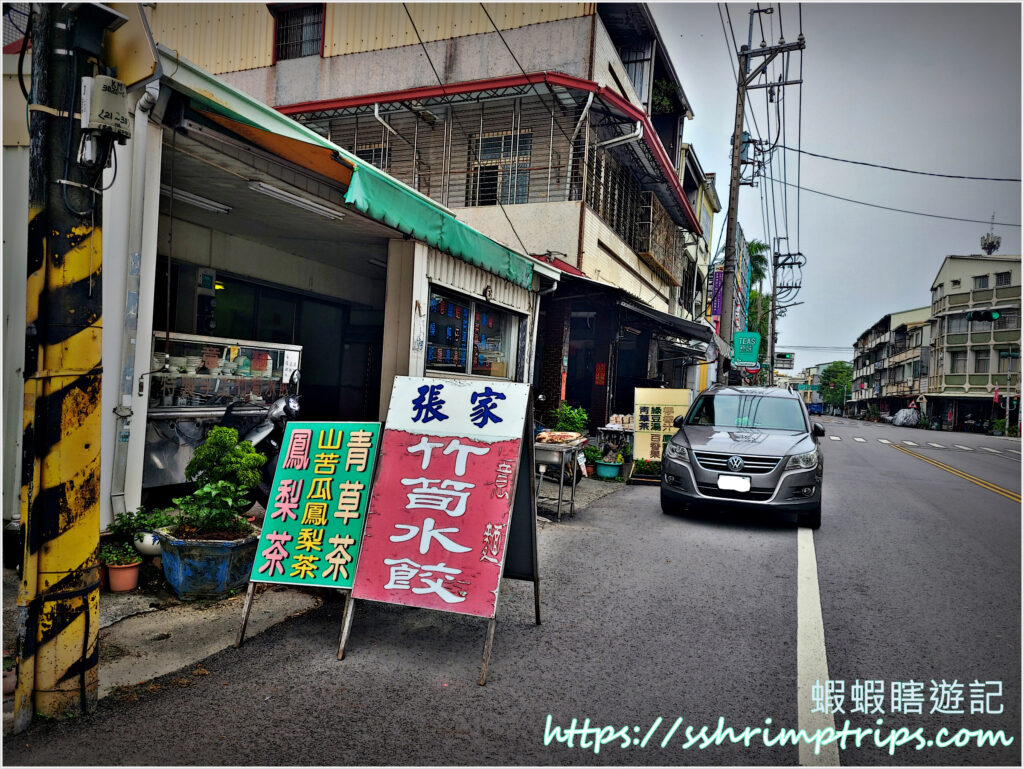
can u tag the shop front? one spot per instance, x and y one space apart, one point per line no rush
245 257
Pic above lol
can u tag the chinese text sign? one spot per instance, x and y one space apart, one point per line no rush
314 521
655 409
437 528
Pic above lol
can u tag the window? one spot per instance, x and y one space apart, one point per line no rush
375 153
958 362
956 324
300 31
499 168
937 292
954 284
1002 279
468 337
729 411
1008 319
981 325
981 361
980 281
1006 362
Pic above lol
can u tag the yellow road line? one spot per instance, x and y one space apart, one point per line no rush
1011 495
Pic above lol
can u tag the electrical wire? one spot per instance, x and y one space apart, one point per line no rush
416 30
21 58
902 170
903 210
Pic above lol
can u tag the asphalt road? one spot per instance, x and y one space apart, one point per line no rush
644 616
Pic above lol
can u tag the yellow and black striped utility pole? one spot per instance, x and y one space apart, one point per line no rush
58 601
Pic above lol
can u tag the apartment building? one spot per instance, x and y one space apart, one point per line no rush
972 359
556 129
880 357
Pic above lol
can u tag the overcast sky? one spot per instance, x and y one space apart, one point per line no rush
929 87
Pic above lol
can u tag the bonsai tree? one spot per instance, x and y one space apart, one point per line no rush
213 511
222 457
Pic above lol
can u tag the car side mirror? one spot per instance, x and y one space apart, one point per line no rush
817 429
678 421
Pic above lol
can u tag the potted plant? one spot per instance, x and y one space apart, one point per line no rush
139 528
998 426
591 455
122 562
568 419
646 471
210 549
609 466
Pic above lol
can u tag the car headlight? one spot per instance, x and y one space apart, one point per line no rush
677 452
803 461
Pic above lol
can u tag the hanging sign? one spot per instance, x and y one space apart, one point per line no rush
437 529
314 522
745 347
655 409
716 293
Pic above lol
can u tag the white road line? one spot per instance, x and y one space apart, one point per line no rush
937 445
835 438
965 448
908 443
986 448
883 440
1014 451
811 659
860 440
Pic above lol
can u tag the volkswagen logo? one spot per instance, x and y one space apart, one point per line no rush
735 463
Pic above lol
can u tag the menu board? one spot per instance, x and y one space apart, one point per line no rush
654 411
447 334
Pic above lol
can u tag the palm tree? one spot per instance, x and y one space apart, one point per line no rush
758 261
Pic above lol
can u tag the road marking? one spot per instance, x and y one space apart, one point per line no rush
835 438
1011 495
909 443
986 448
965 448
811 659
883 440
937 445
859 440
1014 451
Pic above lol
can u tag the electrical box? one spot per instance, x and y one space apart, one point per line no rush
105 106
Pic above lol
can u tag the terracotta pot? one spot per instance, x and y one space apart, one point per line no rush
123 579
104 578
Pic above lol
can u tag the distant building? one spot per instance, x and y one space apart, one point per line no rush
878 354
971 359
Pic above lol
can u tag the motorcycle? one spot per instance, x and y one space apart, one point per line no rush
266 434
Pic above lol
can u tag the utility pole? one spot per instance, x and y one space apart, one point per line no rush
744 82
58 598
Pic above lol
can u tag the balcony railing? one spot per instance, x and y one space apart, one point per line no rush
657 240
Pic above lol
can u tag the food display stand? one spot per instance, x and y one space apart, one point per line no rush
194 380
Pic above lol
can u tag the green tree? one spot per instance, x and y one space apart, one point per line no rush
835 383
758 262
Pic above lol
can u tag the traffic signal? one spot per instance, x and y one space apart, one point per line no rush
984 315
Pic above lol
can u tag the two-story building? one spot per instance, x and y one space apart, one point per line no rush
971 359
557 129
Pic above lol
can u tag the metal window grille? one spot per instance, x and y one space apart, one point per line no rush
1007 319
1002 279
299 32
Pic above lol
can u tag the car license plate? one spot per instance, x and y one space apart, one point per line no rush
734 482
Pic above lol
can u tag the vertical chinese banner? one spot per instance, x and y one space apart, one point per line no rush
437 529
654 410
314 522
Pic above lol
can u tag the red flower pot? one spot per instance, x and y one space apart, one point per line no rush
123 579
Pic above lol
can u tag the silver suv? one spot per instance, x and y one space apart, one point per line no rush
753 447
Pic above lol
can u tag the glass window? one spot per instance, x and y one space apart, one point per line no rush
937 292
958 362
375 153
1002 279
468 337
499 164
981 361
956 324
954 284
299 31
758 411
1006 363
980 281
1008 319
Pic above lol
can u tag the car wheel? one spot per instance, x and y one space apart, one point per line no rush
811 520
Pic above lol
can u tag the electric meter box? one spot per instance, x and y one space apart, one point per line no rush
105 106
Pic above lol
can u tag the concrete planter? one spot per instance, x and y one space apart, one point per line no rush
206 568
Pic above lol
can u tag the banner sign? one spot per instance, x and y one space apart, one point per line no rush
437 528
654 411
314 522
716 293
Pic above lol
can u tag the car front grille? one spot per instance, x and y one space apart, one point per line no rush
752 464
754 495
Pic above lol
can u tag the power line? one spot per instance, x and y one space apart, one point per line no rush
899 210
903 170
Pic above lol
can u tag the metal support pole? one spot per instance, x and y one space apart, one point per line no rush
346 623
487 652
58 599
772 322
245 614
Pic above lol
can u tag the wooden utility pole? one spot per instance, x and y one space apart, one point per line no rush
744 82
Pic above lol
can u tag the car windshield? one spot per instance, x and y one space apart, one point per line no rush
757 411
